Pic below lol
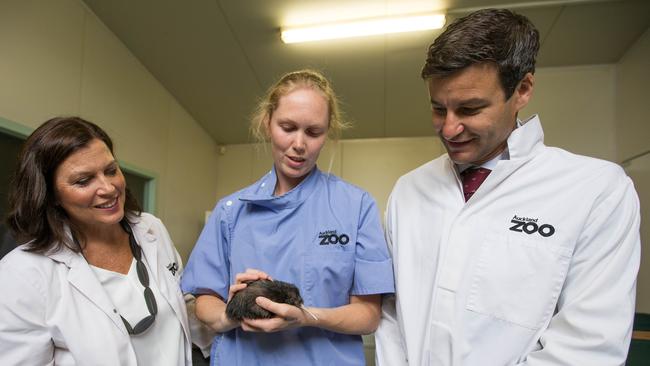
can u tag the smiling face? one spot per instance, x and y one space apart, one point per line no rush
90 187
471 114
298 131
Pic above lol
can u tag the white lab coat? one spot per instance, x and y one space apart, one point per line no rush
475 286
53 310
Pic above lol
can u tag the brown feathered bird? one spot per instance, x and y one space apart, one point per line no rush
242 305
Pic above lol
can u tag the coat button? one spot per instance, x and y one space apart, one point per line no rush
229 203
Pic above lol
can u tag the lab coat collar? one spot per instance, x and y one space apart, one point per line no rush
150 244
145 237
262 193
523 143
81 277
524 140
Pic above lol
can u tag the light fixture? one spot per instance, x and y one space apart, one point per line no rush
363 27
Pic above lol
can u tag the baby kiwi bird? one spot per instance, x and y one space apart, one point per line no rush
242 305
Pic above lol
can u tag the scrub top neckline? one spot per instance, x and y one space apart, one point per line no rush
262 192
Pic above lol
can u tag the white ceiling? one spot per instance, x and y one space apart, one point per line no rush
218 56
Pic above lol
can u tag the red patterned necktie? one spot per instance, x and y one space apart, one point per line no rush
472 179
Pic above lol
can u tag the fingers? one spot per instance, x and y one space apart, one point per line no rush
234 288
242 278
287 316
266 304
237 287
249 328
287 312
266 325
251 275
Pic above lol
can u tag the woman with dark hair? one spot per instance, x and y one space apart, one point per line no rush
95 281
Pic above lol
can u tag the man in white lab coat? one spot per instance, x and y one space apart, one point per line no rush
538 265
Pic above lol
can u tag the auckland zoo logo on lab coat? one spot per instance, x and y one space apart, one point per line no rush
173 268
530 226
331 237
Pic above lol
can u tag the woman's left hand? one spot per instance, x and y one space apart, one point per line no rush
287 317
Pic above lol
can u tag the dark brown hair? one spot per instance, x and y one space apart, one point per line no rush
499 36
34 217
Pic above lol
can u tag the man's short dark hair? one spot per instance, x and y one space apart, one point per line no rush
499 36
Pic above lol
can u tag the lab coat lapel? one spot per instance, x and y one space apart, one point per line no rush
81 277
521 148
151 245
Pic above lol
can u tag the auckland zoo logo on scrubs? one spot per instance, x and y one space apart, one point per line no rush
530 226
331 237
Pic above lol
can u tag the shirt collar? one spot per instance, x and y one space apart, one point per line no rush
492 163
262 192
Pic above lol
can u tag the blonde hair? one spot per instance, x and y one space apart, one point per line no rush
288 83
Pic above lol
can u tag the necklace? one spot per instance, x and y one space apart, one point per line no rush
143 276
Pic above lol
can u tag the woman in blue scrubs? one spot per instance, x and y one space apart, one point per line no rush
298 225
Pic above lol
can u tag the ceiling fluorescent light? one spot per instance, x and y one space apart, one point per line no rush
361 28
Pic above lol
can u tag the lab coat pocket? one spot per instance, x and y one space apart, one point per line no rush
518 279
328 278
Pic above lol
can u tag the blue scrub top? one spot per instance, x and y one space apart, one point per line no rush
324 236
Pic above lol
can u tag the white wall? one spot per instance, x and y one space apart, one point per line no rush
576 106
59 59
633 137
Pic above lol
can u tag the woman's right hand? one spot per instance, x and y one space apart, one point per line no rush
240 284
243 277
211 309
